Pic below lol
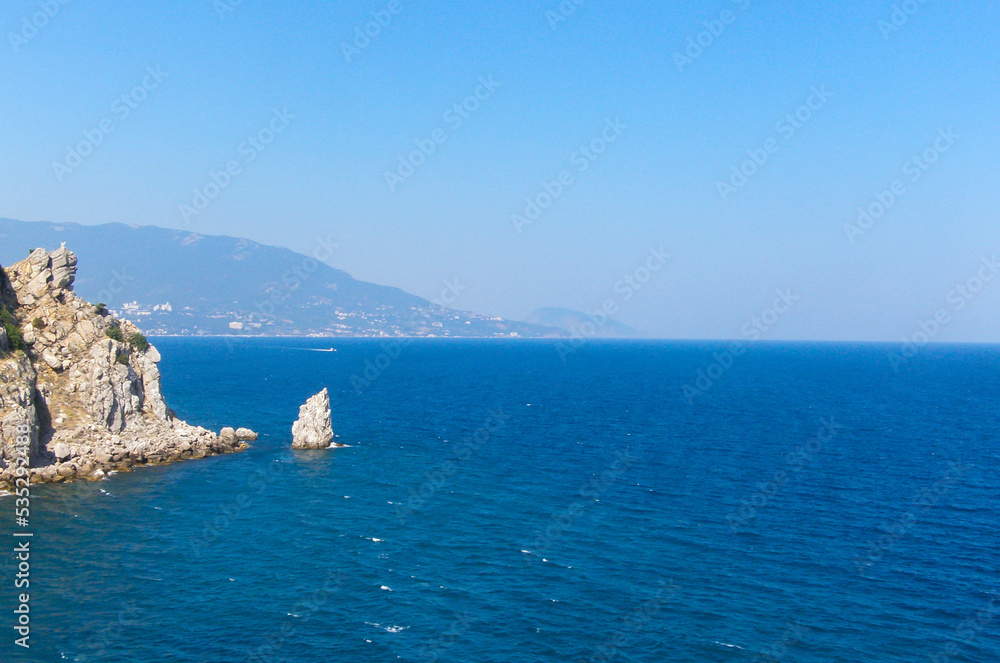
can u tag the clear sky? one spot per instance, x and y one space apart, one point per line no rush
663 120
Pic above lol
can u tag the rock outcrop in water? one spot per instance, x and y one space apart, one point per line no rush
314 428
84 383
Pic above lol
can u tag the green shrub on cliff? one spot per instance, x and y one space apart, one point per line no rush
14 337
114 332
139 342
136 340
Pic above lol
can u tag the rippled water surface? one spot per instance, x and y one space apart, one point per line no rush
498 504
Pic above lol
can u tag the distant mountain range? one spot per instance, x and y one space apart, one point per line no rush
574 323
179 282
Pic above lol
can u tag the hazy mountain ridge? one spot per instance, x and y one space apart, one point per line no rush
180 282
573 322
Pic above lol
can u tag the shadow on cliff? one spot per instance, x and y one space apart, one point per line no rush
43 457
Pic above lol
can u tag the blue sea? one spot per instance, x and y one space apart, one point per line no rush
503 501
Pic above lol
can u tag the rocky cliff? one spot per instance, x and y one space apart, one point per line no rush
84 383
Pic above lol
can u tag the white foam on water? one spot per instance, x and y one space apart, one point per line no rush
726 644
392 628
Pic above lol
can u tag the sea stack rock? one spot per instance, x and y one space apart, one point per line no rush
314 429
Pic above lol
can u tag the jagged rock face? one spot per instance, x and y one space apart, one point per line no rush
17 404
88 372
314 429
115 390
17 386
63 265
92 402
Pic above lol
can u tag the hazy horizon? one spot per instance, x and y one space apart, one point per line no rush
623 130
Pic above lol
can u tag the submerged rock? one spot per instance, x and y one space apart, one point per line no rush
314 429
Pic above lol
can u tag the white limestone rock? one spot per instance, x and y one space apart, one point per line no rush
104 396
314 428
54 362
63 267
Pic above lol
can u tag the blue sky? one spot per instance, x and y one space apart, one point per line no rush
926 88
